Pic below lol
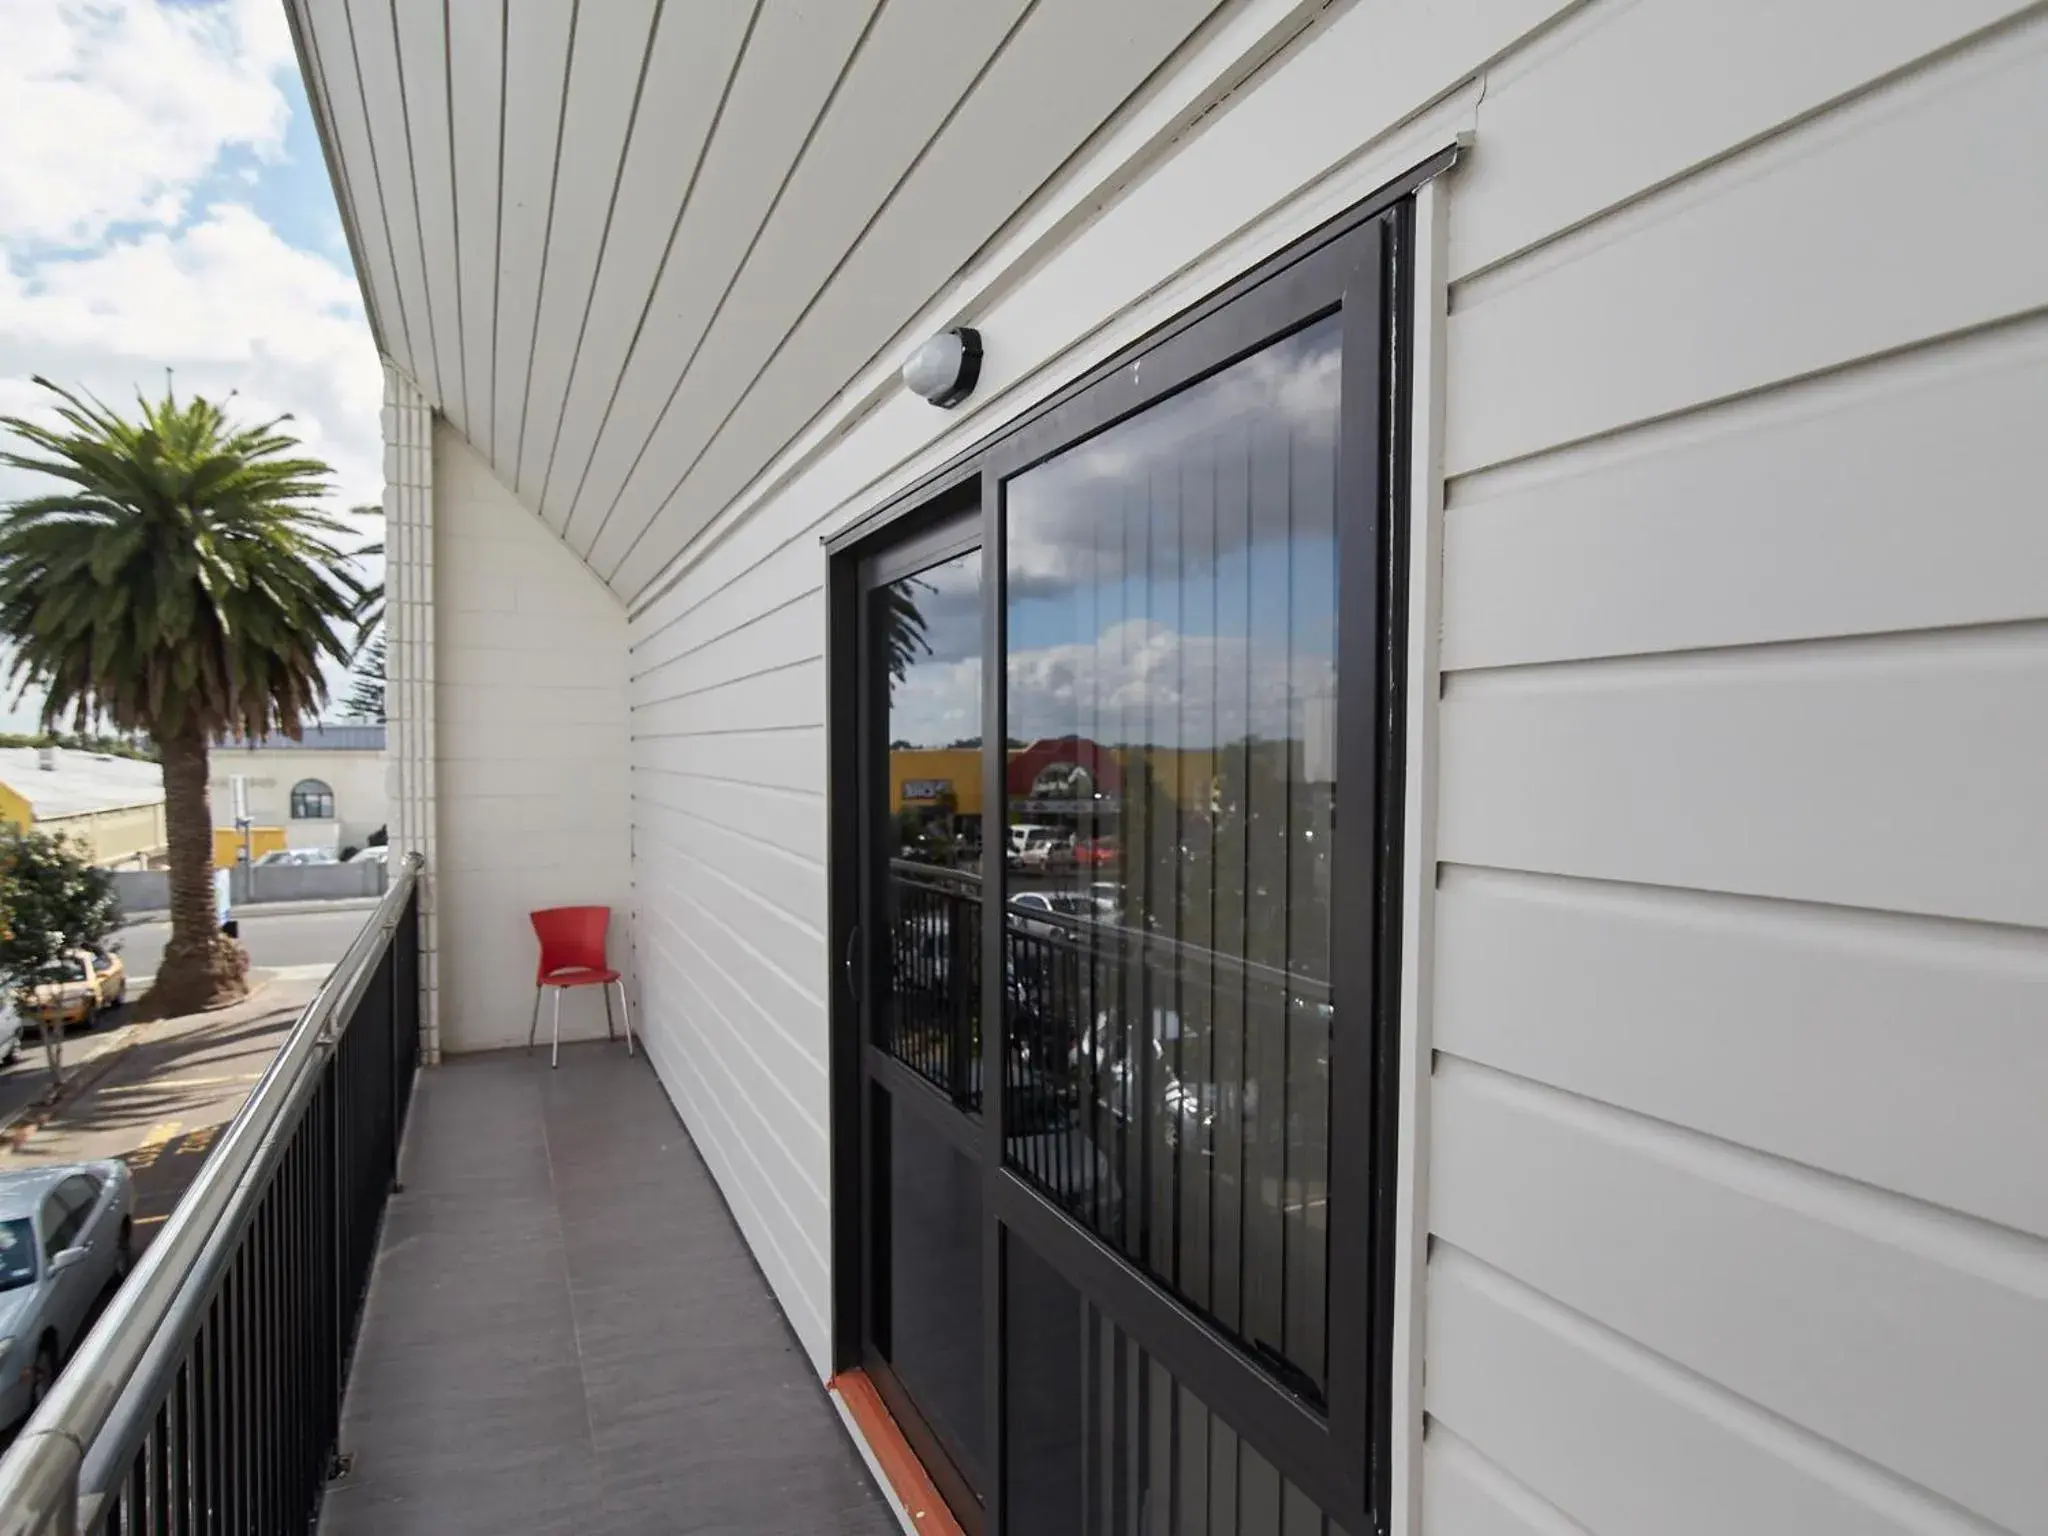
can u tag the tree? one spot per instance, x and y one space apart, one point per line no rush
365 699
51 902
182 583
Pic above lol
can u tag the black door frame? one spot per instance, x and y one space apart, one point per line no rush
1360 266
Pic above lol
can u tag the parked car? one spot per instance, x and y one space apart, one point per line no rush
381 854
1094 852
1032 908
298 856
93 981
66 1235
10 1031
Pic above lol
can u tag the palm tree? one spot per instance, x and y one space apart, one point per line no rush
365 699
183 584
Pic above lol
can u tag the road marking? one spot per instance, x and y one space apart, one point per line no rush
152 1085
153 1143
199 1140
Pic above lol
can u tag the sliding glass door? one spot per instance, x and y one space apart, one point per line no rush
1125 878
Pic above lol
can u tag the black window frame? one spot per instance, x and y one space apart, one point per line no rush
1360 266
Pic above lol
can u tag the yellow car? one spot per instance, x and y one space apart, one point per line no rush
94 981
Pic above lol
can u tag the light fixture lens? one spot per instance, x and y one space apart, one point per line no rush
945 369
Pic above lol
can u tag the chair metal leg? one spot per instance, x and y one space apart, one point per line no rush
533 1028
625 1009
609 1032
555 1055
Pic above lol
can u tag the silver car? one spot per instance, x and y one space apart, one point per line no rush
66 1235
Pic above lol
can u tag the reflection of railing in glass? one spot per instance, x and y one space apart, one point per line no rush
931 1016
1176 1100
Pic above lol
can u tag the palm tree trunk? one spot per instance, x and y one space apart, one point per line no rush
202 967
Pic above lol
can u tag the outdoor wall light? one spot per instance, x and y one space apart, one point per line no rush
945 369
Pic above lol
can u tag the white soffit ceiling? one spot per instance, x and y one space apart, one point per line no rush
632 248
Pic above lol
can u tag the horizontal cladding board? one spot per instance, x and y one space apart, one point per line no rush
790 887
1901 773
775 998
1798 257
611 40
777 637
789 1113
794 823
1464 1494
722 603
1623 1441
1066 70
1622 98
692 54
776 760
1906 1054
536 72
1902 495
779 700
1787 1288
786 72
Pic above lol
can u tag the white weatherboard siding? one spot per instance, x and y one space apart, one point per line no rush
531 783
1734 1168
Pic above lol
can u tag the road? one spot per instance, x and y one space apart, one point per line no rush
284 941
285 938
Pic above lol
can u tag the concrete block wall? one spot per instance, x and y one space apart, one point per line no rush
531 782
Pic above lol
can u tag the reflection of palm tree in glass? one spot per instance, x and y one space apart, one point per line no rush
903 628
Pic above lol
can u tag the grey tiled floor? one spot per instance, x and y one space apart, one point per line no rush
565 1332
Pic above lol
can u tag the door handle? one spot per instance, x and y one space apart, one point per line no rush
852 975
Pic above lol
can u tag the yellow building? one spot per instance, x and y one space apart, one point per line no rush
111 808
923 778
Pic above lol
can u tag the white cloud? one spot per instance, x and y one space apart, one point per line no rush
112 109
227 305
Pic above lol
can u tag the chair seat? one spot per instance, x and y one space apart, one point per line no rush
579 976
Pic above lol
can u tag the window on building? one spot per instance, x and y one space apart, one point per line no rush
312 801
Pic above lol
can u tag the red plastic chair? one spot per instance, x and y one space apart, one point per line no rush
572 955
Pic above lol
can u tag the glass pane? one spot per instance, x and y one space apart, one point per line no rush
1172 627
1104 1441
927 631
933 1241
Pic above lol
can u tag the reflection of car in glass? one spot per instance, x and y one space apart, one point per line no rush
1094 852
66 1234
1029 904
1045 849
92 981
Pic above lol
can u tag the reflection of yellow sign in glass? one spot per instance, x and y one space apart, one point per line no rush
926 789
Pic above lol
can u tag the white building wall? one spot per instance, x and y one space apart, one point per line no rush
362 798
1733 1166
530 762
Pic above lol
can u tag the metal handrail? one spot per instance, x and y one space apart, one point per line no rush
120 1361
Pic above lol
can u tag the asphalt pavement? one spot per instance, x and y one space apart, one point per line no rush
284 942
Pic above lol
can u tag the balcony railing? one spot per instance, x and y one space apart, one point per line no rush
208 1397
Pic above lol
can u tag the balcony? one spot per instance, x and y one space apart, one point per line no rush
545 1322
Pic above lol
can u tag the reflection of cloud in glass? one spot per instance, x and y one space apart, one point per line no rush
1142 682
1269 419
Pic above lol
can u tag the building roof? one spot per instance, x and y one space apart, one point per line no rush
317 738
81 781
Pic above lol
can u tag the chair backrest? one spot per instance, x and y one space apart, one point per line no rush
571 939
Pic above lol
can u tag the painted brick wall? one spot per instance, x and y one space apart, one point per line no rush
530 703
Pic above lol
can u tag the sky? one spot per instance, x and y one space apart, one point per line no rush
163 204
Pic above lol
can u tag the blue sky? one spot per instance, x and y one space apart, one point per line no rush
163 203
